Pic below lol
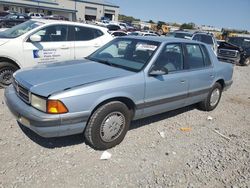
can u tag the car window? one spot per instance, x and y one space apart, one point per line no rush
129 54
206 56
204 38
171 58
55 33
194 56
246 43
86 33
116 34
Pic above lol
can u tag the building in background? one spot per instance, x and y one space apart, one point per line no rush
72 9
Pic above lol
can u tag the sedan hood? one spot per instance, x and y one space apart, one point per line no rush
45 80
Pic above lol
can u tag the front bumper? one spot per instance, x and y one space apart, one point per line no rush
45 125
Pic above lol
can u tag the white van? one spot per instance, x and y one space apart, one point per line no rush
46 41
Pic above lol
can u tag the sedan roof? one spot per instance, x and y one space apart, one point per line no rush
162 39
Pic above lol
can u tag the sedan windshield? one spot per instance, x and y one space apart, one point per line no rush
129 54
20 29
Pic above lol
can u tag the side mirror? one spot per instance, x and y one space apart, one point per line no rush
35 38
156 71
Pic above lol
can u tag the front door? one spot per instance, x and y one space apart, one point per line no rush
169 91
53 47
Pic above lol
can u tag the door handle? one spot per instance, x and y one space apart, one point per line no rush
183 81
212 76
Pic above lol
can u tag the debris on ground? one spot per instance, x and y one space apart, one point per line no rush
186 129
209 118
105 155
162 134
222 135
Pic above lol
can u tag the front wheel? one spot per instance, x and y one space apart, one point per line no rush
213 98
6 71
108 125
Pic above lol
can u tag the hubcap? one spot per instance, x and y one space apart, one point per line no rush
6 77
112 126
215 96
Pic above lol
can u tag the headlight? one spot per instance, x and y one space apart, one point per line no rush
47 105
39 103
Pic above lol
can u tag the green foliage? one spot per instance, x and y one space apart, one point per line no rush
187 26
129 19
151 21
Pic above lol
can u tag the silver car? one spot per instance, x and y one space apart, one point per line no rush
127 79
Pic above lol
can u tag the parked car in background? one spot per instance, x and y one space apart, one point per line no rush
55 17
3 14
13 19
206 38
180 34
142 33
127 79
35 15
244 43
113 27
228 52
40 41
118 33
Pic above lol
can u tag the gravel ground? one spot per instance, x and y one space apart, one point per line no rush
196 157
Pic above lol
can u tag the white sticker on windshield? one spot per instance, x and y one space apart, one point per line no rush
146 47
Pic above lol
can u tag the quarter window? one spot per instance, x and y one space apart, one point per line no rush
194 56
171 58
85 33
206 56
55 33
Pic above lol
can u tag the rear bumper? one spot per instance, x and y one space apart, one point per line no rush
45 125
228 84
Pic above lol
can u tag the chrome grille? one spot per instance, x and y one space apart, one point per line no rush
22 92
228 53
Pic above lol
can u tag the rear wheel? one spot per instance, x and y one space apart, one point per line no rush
213 98
108 125
6 71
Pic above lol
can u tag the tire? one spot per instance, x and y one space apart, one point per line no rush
246 61
6 71
108 125
210 103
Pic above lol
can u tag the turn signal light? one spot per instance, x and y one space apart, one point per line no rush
56 107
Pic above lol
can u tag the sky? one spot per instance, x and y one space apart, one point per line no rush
219 13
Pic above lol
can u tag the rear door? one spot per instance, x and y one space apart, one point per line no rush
86 40
200 72
53 47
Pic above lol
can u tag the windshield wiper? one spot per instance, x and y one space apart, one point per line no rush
103 61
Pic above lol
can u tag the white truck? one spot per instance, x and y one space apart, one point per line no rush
46 41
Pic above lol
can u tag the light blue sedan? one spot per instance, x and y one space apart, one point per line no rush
127 79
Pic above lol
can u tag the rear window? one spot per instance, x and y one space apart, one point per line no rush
204 38
86 33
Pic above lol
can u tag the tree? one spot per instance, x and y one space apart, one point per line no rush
128 19
151 21
187 26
